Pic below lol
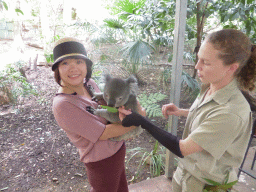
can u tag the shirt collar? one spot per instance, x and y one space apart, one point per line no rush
223 95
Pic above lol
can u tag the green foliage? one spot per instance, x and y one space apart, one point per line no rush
14 83
164 40
103 36
218 187
238 11
153 21
49 58
154 157
123 8
165 78
239 14
150 103
19 11
135 54
189 84
4 4
118 27
114 23
137 51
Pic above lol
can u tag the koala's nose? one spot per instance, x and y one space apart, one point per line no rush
111 103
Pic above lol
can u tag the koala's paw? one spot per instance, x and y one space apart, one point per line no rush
97 96
100 112
90 109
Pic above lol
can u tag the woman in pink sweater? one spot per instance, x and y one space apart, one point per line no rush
104 159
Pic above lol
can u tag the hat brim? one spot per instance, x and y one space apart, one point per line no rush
69 56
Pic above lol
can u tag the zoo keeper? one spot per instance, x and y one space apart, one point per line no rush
219 121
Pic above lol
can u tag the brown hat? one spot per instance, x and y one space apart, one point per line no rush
69 47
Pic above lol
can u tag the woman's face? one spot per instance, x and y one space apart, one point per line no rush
210 68
72 72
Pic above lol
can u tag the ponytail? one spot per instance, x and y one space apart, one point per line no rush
247 75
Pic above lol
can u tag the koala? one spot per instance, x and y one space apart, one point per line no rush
119 92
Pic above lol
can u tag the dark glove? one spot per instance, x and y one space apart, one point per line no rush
167 139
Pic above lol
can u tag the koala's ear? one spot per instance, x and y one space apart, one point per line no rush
107 77
131 79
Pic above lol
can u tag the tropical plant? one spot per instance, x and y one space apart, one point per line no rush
218 187
114 23
190 85
228 13
152 21
103 35
4 4
137 53
154 158
150 103
118 25
14 83
123 8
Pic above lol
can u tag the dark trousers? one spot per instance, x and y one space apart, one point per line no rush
108 175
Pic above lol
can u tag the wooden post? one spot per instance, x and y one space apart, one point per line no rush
178 48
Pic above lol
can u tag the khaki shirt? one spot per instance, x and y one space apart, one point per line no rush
221 125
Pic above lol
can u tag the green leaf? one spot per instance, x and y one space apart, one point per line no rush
110 109
229 185
5 5
212 182
19 11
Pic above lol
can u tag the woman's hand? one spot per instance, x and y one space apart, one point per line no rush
141 110
123 112
171 109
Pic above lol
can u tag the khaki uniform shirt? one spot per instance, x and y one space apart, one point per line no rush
221 125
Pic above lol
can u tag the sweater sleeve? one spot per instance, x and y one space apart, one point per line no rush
77 120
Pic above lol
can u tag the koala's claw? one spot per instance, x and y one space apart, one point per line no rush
90 109
94 99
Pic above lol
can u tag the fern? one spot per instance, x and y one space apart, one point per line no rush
150 103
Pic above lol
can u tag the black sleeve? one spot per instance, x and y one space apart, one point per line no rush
167 139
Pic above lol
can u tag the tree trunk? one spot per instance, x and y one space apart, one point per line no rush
35 63
200 29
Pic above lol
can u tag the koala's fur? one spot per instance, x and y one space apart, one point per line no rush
119 92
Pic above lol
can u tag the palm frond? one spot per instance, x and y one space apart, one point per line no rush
114 23
137 51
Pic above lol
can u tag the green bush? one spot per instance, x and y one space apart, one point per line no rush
14 83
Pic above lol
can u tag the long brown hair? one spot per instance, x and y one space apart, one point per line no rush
235 47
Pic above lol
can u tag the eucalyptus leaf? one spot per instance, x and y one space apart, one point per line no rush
110 109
